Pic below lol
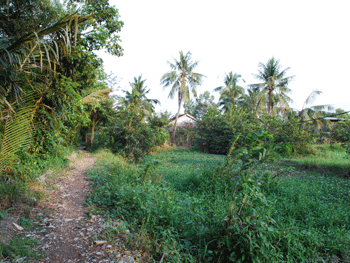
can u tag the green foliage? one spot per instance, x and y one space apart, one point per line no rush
292 135
133 131
231 93
216 130
25 169
199 106
274 85
132 138
101 32
20 247
182 81
326 159
341 132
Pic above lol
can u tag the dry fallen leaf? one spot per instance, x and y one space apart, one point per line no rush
18 227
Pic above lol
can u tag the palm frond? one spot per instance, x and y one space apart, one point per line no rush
311 98
18 129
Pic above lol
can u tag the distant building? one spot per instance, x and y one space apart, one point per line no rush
334 120
185 121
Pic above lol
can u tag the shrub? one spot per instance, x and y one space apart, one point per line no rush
292 135
341 132
216 130
134 139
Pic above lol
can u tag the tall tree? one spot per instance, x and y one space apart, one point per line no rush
274 84
231 92
136 102
254 100
315 114
182 81
101 32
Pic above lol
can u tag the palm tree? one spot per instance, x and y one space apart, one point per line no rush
274 84
231 92
314 114
254 100
182 81
136 102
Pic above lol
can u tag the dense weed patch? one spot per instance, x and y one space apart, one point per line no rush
26 168
195 207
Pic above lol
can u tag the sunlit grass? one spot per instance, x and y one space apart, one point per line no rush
325 159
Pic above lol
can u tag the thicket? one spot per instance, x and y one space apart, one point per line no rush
341 133
217 129
134 138
52 85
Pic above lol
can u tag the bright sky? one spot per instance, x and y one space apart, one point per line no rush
311 37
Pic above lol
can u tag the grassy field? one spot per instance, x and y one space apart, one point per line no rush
190 211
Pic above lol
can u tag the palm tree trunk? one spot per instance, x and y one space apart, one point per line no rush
94 123
177 116
269 103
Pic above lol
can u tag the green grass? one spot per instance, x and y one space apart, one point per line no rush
326 159
19 247
177 199
183 168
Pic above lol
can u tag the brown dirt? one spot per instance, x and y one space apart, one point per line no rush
64 228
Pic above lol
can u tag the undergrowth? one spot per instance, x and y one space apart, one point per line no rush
16 180
192 207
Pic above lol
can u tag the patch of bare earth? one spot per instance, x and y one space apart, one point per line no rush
63 228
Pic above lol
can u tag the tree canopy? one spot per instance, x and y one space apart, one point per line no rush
182 80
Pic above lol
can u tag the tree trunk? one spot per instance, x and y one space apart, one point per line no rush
94 123
269 103
177 116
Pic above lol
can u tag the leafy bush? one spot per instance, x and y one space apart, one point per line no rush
132 137
216 130
341 132
292 135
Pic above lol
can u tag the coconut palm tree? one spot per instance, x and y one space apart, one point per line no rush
182 81
231 92
136 102
254 100
314 114
274 84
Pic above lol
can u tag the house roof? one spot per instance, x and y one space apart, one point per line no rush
334 119
182 115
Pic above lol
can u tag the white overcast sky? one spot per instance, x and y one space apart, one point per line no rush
311 37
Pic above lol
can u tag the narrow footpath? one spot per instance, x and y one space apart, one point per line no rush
65 231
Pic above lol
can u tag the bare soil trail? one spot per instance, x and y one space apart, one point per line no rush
65 231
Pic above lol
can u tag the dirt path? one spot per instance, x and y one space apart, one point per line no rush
66 233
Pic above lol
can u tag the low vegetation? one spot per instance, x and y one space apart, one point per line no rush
196 207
